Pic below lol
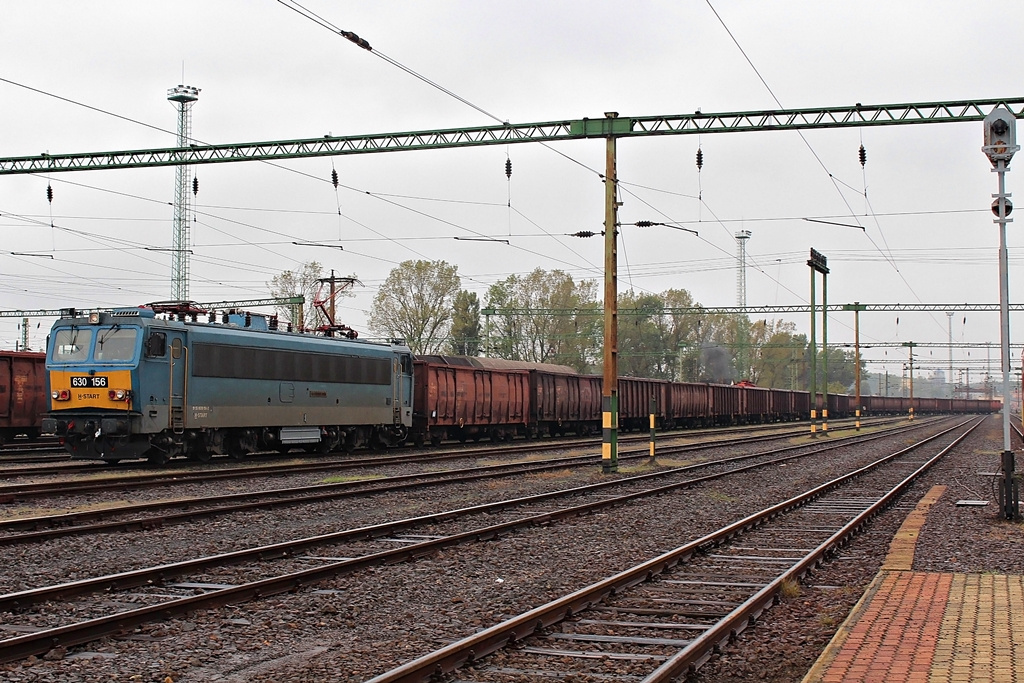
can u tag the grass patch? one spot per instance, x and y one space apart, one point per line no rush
674 462
789 589
720 497
550 474
346 478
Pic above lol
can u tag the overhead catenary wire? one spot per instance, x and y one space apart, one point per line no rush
818 158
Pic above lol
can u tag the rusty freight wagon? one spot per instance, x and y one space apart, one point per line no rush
22 393
635 402
562 401
456 399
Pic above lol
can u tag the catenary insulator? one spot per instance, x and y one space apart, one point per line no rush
508 168
49 193
644 224
357 40
700 159
863 154
334 178
583 233
195 185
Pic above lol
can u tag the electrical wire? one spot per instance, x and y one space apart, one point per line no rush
816 156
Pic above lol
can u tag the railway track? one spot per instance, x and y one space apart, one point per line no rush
141 477
181 467
163 593
48 527
665 617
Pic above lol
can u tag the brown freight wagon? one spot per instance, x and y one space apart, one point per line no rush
635 402
788 406
840 405
726 407
22 393
755 403
562 401
689 405
454 399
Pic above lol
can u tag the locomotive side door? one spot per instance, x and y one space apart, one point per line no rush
178 384
401 389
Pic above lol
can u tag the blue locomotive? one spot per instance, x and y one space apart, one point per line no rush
129 384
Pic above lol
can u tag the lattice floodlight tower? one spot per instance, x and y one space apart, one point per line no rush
741 266
185 96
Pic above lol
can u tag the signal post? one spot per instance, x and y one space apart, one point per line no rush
1000 144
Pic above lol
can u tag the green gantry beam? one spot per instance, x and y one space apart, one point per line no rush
640 126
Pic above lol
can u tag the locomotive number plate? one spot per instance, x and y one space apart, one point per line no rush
88 382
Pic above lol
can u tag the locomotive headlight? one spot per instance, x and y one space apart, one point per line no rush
61 395
118 394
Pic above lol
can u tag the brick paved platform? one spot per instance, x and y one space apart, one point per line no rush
921 627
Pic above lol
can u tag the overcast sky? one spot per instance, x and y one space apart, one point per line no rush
267 73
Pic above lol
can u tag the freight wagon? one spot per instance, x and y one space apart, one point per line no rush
22 394
456 399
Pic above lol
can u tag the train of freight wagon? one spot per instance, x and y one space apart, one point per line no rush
132 383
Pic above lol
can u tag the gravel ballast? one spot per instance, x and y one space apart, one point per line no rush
353 627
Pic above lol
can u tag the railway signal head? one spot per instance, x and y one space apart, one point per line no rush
1000 135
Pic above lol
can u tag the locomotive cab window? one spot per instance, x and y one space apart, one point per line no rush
71 345
156 345
116 344
406 365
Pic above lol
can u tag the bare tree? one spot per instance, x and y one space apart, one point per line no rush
415 303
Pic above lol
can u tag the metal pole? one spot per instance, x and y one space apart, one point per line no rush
949 379
1008 490
911 380
856 355
824 344
333 294
814 366
610 389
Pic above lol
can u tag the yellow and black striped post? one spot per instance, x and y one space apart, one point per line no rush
654 409
609 434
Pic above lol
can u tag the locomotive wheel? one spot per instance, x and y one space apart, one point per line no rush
201 454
